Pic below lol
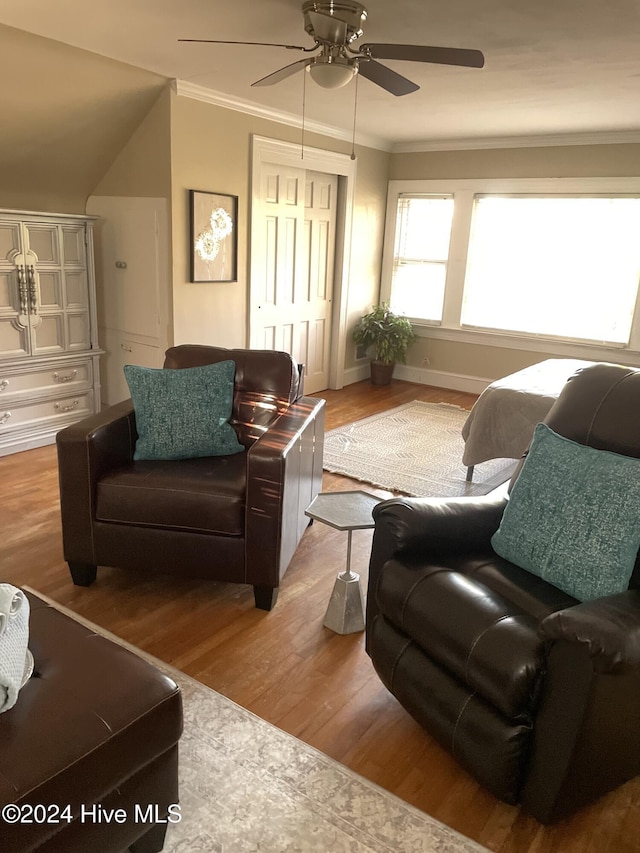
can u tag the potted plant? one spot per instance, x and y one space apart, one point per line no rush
390 336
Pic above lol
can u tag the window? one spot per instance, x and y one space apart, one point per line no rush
551 259
423 230
560 267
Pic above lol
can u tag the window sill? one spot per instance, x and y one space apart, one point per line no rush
550 346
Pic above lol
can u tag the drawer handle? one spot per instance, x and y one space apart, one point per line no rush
68 408
69 377
125 348
5 418
4 384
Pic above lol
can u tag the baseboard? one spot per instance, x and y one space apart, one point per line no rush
441 379
437 378
17 444
357 374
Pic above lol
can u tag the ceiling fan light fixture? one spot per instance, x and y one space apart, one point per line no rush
331 74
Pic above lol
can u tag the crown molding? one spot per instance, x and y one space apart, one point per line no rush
549 140
220 99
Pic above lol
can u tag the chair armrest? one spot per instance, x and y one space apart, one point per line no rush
86 451
609 628
438 525
284 474
585 738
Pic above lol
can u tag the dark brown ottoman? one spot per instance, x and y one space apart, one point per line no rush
95 730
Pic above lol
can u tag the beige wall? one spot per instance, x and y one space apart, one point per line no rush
570 161
367 238
478 360
211 150
143 166
473 360
66 114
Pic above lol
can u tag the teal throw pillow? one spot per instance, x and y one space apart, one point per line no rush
573 517
183 413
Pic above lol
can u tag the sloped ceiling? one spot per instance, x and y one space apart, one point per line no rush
66 115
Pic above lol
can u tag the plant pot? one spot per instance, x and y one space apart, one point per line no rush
381 373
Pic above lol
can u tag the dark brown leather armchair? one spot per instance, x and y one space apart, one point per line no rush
536 694
235 518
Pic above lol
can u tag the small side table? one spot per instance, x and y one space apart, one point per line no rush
345 511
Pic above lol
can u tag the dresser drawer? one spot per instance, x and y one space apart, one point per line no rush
22 413
56 378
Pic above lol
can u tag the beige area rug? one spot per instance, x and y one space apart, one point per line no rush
415 449
248 787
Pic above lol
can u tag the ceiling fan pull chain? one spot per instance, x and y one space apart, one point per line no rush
355 109
304 106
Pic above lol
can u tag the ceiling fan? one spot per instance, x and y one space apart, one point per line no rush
334 25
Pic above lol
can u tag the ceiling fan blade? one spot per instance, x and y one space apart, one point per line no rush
385 77
261 43
423 53
328 28
283 73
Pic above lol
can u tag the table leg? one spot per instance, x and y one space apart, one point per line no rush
347 576
345 613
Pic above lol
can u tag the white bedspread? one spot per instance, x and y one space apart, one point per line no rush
502 421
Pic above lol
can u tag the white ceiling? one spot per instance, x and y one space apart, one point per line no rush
553 67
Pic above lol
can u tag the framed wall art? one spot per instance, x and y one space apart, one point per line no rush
214 236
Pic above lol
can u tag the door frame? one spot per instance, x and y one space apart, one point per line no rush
266 150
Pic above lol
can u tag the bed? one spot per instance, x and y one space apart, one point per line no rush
503 418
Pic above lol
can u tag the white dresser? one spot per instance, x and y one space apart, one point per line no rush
49 354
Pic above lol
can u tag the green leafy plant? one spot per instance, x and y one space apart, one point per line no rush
389 334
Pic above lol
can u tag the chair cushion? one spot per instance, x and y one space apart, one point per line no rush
493 749
182 414
197 495
572 517
486 641
527 591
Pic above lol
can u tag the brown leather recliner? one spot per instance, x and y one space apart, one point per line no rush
536 694
235 518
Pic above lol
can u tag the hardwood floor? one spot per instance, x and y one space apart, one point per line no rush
284 665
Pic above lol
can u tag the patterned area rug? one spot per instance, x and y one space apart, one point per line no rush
247 786
415 449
